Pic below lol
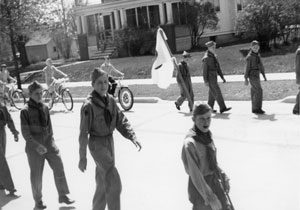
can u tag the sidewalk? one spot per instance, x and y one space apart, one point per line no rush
198 79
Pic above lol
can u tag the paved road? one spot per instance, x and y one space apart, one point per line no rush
260 155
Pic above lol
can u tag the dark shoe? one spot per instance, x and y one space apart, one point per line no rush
2 187
177 107
65 199
259 111
12 193
294 112
214 111
40 205
225 110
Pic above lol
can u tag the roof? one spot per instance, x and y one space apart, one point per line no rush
39 40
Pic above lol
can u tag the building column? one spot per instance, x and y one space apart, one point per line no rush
123 18
117 19
162 14
170 19
78 25
84 24
111 25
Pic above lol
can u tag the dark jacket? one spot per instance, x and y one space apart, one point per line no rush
94 122
210 66
5 119
34 130
254 65
298 66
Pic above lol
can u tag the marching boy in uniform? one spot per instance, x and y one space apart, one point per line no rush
6 182
253 69
200 162
40 146
185 78
100 116
296 109
211 70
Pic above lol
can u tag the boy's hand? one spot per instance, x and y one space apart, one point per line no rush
224 80
41 149
137 144
82 164
246 82
214 202
265 78
16 137
206 84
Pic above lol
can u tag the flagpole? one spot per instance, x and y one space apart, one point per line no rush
178 71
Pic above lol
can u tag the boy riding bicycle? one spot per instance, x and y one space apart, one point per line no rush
5 81
51 81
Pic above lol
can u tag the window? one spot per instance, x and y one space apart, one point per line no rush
179 13
216 4
142 17
91 24
131 18
154 16
239 5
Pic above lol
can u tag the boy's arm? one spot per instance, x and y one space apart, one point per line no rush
298 66
125 128
10 123
25 128
205 70
220 73
247 70
49 124
196 174
59 71
262 69
85 126
116 70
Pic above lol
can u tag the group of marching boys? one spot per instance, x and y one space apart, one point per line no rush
100 116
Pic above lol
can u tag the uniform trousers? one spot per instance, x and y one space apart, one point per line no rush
256 90
214 93
183 95
108 182
36 164
5 175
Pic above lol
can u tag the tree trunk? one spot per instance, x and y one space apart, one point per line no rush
23 55
16 63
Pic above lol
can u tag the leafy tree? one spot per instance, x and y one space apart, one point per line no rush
19 18
200 16
63 29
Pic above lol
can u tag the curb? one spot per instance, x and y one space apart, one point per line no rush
289 99
150 100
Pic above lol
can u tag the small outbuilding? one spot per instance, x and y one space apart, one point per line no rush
40 48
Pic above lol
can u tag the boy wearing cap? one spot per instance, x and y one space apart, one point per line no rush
200 162
5 79
100 116
211 70
296 109
37 131
253 69
6 182
111 70
184 78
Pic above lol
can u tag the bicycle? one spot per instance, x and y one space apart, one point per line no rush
124 94
63 94
12 95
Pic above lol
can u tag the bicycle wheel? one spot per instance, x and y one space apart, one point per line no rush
126 98
67 99
18 99
47 99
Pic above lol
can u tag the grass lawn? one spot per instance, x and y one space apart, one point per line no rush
282 60
234 91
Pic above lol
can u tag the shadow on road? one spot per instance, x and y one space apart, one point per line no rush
66 208
270 117
186 114
222 116
53 112
4 199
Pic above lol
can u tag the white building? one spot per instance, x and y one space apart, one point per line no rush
99 21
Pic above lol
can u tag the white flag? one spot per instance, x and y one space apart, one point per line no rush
163 66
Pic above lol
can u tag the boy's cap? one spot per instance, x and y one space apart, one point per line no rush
97 73
185 54
254 42
210 44
200 109
34 86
